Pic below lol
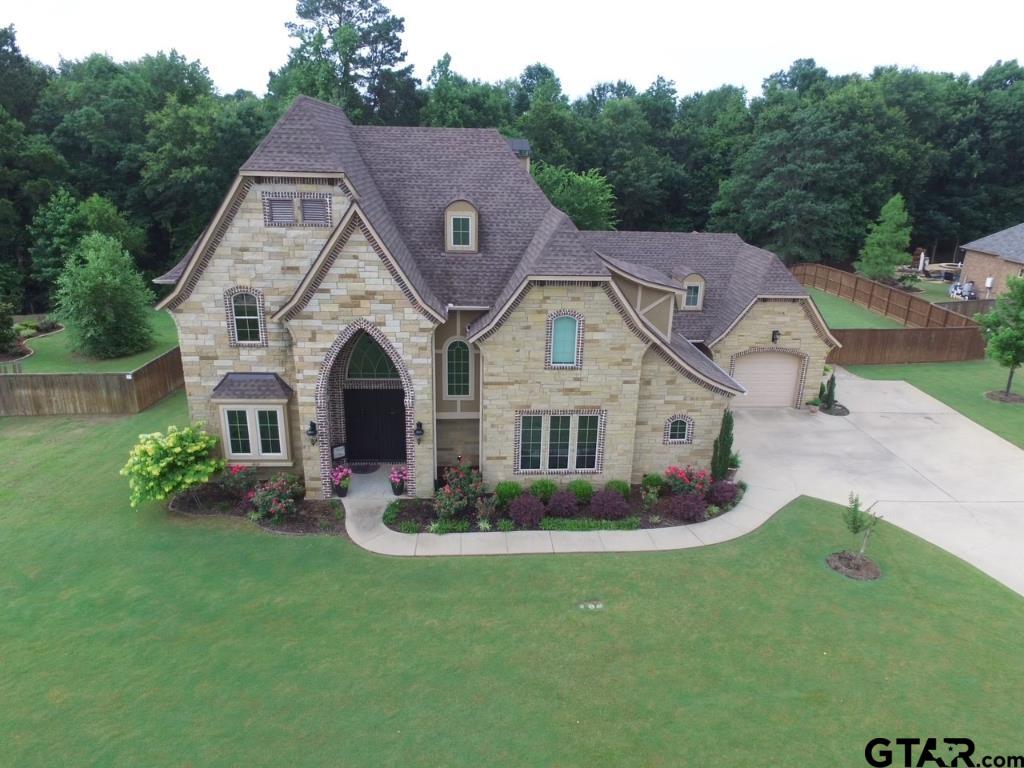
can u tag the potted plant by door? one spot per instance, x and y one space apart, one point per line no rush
341 476
813 404
399 476
734 466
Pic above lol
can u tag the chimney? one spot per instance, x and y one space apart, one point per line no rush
521 147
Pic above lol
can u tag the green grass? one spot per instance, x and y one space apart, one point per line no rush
131 637
962 386
933 291
840 313
53 354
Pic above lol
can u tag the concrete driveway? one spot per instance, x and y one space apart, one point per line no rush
934 472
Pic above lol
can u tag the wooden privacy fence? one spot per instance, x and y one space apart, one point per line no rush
968 308
51 394
879 346
891 302
934 335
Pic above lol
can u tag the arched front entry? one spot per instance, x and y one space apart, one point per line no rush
365 403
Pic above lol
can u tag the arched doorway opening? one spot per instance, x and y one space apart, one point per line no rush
365 404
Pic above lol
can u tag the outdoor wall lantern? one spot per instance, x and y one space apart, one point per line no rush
419 431
311 433
776 335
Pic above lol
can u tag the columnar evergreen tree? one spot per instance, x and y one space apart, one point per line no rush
888 240
721 449
1004 329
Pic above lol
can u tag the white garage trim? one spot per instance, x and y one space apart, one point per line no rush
805 358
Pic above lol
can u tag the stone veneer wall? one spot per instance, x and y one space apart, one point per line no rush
665 393
253 255
359 288
515 378
790 317
455 437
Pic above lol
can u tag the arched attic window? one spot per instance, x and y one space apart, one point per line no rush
564 340
461 227
678 430
693 293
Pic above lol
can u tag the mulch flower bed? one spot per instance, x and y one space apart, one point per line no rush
853 565
311 517
683 497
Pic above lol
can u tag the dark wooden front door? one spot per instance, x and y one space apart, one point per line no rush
375 425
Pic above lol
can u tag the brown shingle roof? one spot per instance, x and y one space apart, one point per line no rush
1007 244
252 386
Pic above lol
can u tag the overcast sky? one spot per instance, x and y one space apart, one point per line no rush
698 45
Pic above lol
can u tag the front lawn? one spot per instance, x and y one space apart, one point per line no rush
132 637
962 386
840 313
53 354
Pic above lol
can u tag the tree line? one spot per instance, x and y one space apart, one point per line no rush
143 151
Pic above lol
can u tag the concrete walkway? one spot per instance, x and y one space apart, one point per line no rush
931 471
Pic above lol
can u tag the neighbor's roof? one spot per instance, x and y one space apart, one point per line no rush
735 273
1007 244
252 386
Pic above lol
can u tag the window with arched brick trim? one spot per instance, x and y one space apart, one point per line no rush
564 340
678 430
246 317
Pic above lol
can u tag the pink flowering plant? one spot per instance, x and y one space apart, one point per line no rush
463 486
274 499
238 480
341 476
687 480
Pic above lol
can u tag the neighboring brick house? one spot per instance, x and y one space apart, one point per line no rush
410 296
997 258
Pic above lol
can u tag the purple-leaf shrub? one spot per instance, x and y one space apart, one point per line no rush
684 507
563 504
526 511
722 493
609 505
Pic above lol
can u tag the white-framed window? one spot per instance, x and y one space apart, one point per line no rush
559 442
564 340
458 370
254 432
461 227
678 430
693 293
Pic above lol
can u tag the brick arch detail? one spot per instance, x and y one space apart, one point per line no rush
323 393
805 360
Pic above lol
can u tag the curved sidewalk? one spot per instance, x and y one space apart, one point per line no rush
363 521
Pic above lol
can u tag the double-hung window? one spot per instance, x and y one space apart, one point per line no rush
245 309
254 433
561 442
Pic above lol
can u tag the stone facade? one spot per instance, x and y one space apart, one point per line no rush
797 331
617 369
980 266
665 393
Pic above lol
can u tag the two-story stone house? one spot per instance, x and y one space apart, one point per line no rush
409 295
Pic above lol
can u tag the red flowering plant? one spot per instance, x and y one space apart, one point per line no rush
238 480
688 480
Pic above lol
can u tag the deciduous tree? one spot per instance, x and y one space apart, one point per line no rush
1004 329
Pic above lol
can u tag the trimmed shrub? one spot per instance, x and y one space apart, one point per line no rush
526 511
544 489
653 483
8 335
609 505
620 487
506 492
722 493
564 504
684 507
47 325
583 490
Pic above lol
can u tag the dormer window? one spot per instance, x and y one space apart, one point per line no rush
461 226
693 293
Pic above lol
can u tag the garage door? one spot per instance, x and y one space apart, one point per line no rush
771 379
